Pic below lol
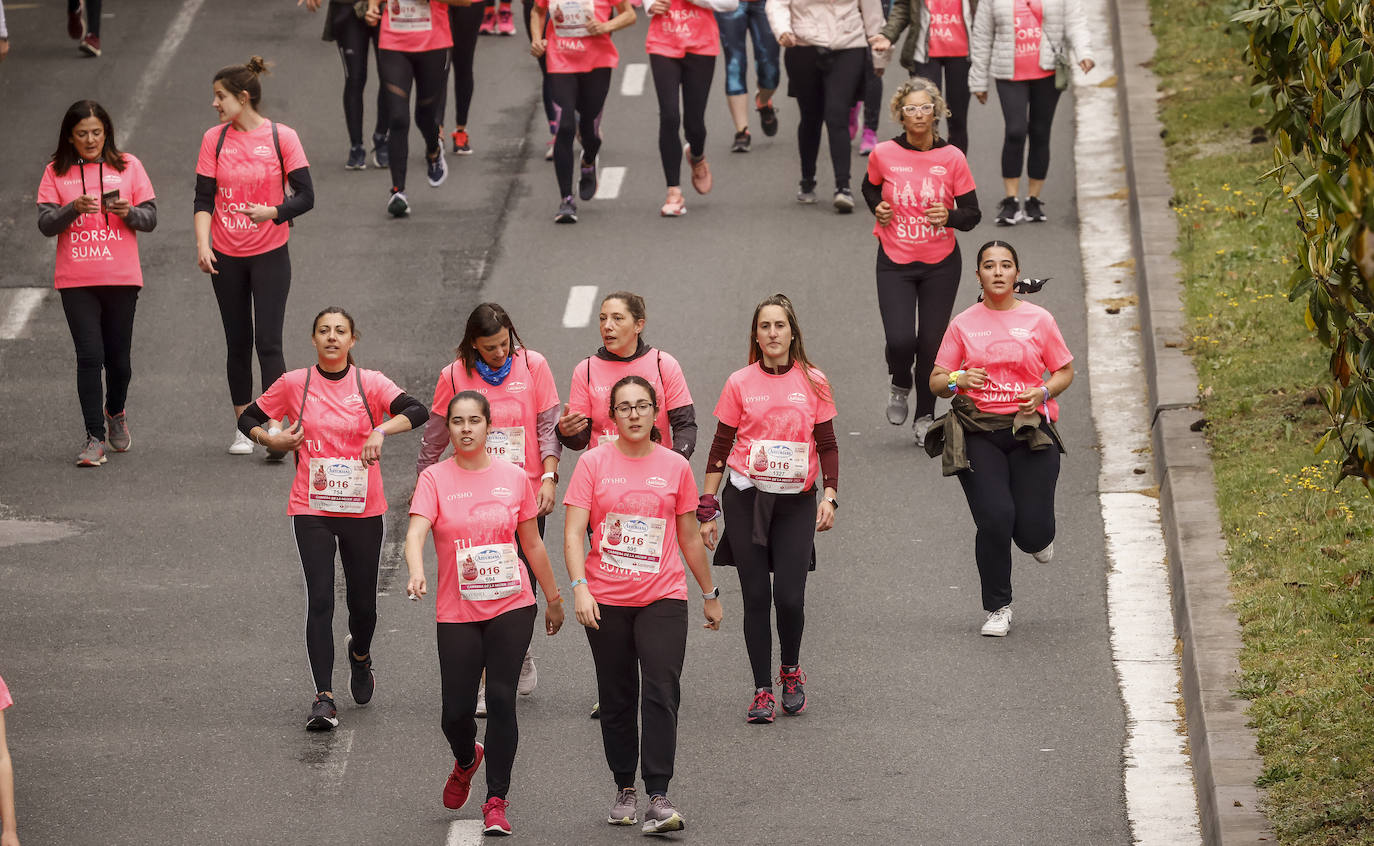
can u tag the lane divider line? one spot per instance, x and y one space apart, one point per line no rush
632 83
23 303
578 312
157 67
464 833
608 186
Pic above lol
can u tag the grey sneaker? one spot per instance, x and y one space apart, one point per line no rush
661 816
1033 210
93 455
567 211
844 201
807 195
1045 555
118 432
998 622
1009 212
920 427
529 676
623 811
793 682
896 405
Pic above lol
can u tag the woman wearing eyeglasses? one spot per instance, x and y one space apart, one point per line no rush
918 188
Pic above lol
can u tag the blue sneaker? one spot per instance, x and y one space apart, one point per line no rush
436 169
381 155
587 182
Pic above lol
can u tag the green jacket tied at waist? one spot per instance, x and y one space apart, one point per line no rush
946 436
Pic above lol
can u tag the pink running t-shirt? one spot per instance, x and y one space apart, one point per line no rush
515 407
634 505
473 514
336 427
948 30
247 171
780 409
5 699
1017 347
594 377
684 28
414 26
913 180
98 248
1028 21
569 48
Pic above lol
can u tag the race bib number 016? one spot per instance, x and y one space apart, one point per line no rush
488 572
410 16
570 17
338 485
778 467
633 543
507 444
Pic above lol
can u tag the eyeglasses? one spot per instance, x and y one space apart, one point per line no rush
912 109
639 408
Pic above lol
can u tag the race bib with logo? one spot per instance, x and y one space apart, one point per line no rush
488 572
606 438
633 543
507 444
338 485
410 16
570 17
778 467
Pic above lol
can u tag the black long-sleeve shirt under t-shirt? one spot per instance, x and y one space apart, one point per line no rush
404 404
301 200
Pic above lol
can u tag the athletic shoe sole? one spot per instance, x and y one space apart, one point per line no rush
321 723
496 831
796 712
673 823
102 460
397 206
759 721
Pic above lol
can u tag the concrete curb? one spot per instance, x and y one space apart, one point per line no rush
1225 763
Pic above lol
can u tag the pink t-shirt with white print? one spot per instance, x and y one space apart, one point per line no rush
777 409
414 26
594 377
684 28
98 248
569 49
948 29
1018 348
1030 15
247 171
913 180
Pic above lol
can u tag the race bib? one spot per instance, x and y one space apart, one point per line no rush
338 485
778 467
606 438
632 543
507 444
488 572
410 16
570 17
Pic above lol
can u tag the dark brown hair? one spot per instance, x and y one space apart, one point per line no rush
241 79
65 156
352 325
484 321
796 352
482 402
1016 260
654 434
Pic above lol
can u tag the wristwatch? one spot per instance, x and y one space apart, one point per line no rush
714 594
552 475
834 503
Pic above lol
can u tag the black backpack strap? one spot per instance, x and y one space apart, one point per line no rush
219 145
358 373
300 418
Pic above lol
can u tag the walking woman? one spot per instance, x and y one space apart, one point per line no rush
919 188
775 438
464 21
1004 361
937 49
252 176
339 418
480 509
1024 45
96 199
826 47
749 20
580 57
345 25
683 43
630 592
9 826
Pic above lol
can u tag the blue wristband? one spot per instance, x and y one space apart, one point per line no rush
577 582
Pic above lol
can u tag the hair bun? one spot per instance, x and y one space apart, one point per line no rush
258 65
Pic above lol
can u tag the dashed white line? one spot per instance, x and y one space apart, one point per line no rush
632 83
23 303
578 312
152 75
464 833
608 186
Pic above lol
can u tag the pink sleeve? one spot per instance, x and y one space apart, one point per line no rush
545 391
381 392
529 507
291 150
277 400
141 191
205 164
728 407
47 187
443 392
425 501
675 390
580 488
1052 346
5 699
825 407
875 166
951 354
687 496
963 177
578 400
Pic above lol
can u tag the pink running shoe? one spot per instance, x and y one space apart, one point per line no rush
855 114
488 26
505 21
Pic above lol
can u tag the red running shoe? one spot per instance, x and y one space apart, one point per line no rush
459 783
494 816
90 45
761 711
793 682
488 26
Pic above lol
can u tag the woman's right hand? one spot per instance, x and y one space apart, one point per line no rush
205 259
572 422
982 97
287 440
416 587
659 7
710 534
86 204
787 39
883 212
586 610
537 47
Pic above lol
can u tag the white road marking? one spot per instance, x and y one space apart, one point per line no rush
152 75
578 312
608 187
23 303
632 83
335 761
464 833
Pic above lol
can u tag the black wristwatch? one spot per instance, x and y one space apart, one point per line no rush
714 594
834 503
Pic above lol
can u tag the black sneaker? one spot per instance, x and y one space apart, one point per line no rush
793 682
587 182
323 715
761 710
567 211
1008 212
381 155
741 144
361 682
397 205
1034 210
768 117
357 158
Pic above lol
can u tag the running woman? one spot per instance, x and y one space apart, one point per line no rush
9 827
251 177
1004 361
481 509
775 438
344 24
494 363
339 419
463 23
936 48
414 44
919 188
630 592
96 199
748 21
580 58
683 43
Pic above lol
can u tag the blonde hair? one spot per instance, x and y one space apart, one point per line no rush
919 84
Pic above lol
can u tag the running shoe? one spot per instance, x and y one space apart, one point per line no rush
357 158
844 201
488 26
567 211
397 205
117 426
587 181
494 809
741 144
460 143
661 816
548 151
623 809
93 454
855 115
761 711
897 404
381 153
768 117
1009 212
240 445
870 140
1034 210
505 23
793 682
701 171
436 169
323 715
674 205
481 709
920 427
529 676
76 23
459 783
807 195
361 682
90 45
1045 555
596 711
998 622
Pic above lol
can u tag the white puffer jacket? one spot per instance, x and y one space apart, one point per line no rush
834 24
993 49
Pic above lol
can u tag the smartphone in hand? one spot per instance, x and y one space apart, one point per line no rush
107 198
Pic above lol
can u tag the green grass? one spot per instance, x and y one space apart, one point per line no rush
1301 554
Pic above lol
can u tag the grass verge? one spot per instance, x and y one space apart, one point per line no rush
1301 554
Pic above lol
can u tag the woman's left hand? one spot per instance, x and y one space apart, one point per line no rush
1087 65
597 28
259 213
1030 399
372 450
658 7
825 516
937 214
546 497
553 618
119 208
714 614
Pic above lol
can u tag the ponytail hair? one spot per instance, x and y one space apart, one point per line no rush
654 434
243 79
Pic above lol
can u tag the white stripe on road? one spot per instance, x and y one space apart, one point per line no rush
335 757
23 303
464 833
578 312
152 75
632 83
608 186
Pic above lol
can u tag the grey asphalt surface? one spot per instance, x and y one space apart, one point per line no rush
156 655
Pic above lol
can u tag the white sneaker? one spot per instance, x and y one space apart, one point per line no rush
1045 555
998 622
481 701
240 445
529 676
920 426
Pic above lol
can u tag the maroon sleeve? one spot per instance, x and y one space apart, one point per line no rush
721 445
829 451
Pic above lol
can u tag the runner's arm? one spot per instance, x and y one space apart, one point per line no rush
54 219
301 201
966 214
828 448
432 442
142 217
682 421
550 444
414 411
873 194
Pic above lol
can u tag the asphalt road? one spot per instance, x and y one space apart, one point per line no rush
155 653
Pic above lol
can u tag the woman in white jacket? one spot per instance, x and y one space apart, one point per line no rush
1019 43
826 45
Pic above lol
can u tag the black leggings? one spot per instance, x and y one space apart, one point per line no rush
353 35
549 115
925 292
359 543
632 642
101 320
578 99
692 76
463 22
826 87
498 646
1028 111
1010 491
252 292
772 576
428 70
92 14
950 73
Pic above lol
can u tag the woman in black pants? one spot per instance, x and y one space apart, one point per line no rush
919 188
1003 360
545 92
347 28
463 24
775 440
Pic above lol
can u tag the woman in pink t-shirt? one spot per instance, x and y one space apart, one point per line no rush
919 189
481 509
575 38
775 440
251 177
9 828
338 415
999 436
630 591
95 199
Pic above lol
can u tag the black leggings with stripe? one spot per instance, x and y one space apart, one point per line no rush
358 541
